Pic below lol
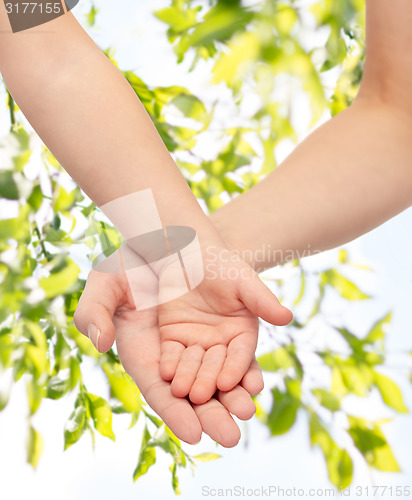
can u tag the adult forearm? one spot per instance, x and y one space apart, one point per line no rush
350 175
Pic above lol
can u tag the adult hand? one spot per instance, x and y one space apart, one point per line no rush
106 310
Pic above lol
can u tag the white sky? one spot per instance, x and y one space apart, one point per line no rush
286 461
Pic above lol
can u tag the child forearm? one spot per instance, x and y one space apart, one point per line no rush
91 119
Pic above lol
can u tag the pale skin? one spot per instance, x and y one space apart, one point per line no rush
337 208
93 108
326 192
360 187
107 299
351 174
95 125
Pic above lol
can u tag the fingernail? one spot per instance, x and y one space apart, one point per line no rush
94 335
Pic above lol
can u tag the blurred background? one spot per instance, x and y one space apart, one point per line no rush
232 87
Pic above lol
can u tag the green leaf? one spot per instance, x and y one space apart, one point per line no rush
356 378
122 387
36 198
340 467
36 359
34 394
61 351
377 332
370 441
4 395
56 222
34 447
275 360
75 372
175 479
390 392
354 342
190 106
134 419
343 257
63 200
343 286
147 456
163 441
4 399
155 420
383 459
336 50
327 399
91 16
23 140
17 228
282 416
57 387
8 186
146 95
109 237
338 461
178 19
230 67
75 426
101 414
61 282
207 457
6 349
285 18
220 23
57 237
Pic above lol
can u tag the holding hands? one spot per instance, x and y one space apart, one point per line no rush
200 345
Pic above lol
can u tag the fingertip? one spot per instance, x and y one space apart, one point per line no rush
191 436
187 429
167 370
198 396
217 422
280 316
253 386
198 399
179 388
169 359
105 343
105 347
225 382
247 410
176 413
228 433
253 381
102 337
202 390
238 402
287 316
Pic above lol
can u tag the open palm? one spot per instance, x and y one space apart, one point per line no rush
209 335
107 302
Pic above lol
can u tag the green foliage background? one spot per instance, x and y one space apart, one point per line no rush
250 47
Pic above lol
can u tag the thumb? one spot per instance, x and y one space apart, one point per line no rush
96 307
260 301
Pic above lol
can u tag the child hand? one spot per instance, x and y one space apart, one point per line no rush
209 335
